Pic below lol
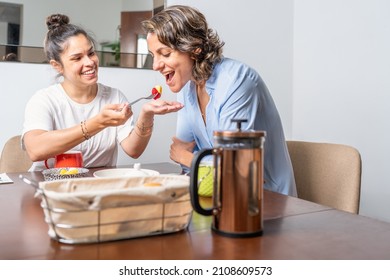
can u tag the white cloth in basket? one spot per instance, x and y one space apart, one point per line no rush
101 193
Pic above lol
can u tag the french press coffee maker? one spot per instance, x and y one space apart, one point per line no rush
237 199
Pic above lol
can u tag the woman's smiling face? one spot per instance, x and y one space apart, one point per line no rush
79 62
176 66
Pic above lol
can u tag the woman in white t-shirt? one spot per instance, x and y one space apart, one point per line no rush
79 113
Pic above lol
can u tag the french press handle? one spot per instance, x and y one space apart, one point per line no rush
194 182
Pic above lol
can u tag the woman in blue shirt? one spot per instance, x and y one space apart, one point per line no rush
214 90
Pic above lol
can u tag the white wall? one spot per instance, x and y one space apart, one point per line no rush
137 5
342 85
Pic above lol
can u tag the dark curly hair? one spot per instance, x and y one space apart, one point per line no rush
185 29
60 30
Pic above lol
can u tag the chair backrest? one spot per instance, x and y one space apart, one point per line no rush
13 157
328 174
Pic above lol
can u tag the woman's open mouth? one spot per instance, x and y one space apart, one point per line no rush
169 76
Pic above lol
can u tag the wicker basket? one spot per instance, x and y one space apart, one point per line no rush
89 210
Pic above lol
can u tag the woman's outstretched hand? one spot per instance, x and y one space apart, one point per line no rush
162 107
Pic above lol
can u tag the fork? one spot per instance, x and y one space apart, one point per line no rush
147 97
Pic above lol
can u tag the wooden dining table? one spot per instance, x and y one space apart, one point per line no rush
294 229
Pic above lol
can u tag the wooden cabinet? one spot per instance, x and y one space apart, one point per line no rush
130 31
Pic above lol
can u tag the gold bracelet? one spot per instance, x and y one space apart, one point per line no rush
145 129
142 135
84 130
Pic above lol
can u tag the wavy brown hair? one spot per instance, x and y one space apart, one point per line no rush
185 29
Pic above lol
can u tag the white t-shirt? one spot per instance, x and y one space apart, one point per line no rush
52 109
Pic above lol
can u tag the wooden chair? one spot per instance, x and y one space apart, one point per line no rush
328 174
13 157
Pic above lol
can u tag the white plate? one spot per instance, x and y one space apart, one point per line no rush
124 172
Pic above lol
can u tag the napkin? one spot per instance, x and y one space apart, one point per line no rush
4 179
102 193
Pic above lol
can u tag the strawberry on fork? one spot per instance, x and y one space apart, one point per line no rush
156 94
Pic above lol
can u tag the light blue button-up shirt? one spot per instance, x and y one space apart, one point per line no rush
237 92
